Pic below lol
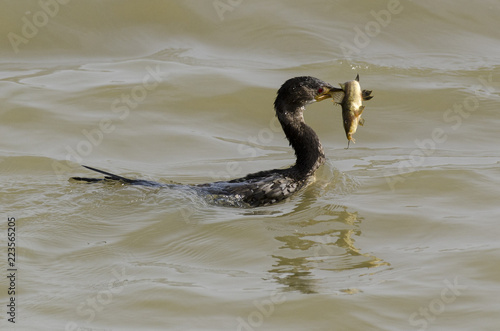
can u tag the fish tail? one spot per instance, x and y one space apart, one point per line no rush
366 95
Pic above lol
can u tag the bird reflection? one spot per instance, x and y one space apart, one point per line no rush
323 244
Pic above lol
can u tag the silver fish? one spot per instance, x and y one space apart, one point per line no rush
350 97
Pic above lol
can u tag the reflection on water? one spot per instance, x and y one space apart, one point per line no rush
323 243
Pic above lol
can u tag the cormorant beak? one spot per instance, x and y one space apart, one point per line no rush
324 94
327 93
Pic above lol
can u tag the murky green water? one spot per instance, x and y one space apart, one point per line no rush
399 232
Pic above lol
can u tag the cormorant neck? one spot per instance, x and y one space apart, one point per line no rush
302 138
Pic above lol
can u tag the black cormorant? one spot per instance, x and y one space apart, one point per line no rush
271 186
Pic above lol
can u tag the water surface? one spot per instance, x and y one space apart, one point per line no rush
399 232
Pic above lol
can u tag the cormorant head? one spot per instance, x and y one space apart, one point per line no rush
300 91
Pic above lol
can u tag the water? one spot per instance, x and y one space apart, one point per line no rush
399 232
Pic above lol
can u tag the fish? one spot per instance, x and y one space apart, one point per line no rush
351 97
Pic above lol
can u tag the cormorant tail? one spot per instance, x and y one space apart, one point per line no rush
110 176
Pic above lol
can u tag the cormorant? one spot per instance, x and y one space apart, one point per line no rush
271 186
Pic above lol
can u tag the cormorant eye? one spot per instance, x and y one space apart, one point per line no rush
320 90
